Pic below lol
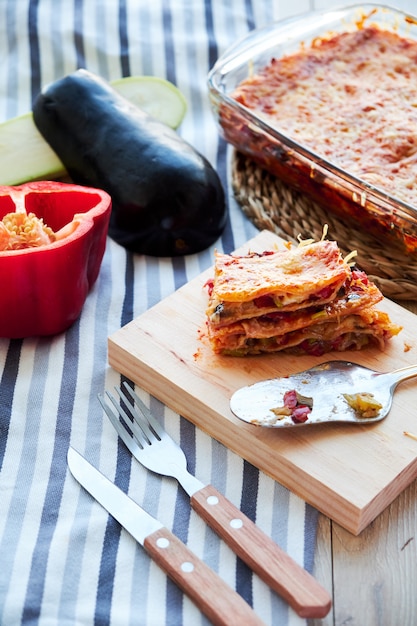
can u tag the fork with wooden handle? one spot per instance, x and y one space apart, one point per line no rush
152 447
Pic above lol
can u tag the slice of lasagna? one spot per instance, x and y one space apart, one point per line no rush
305 299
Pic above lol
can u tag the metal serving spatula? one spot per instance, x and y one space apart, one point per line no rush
335 391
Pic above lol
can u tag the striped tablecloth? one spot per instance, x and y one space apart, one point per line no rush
63 560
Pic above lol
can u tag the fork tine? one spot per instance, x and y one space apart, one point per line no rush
136 426
134 446
146 413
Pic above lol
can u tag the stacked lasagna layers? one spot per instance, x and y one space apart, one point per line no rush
305 299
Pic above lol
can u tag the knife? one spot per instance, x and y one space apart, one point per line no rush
219 602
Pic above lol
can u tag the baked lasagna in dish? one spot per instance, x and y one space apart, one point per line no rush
304 299
350 98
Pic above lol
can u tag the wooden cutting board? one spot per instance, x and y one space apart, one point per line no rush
350 473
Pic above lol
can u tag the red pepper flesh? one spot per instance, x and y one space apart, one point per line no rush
43 289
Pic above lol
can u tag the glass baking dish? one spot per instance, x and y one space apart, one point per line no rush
343 193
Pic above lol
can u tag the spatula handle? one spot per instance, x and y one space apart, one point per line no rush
219 602
274 566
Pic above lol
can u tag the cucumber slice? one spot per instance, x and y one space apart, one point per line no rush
26 156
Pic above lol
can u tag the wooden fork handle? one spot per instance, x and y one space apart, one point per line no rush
274 566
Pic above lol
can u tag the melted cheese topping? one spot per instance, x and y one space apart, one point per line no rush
289 276
351 98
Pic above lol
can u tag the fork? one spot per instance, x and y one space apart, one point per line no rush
149 443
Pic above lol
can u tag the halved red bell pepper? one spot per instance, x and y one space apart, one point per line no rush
55 256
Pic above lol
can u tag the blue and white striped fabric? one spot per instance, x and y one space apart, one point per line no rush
63 560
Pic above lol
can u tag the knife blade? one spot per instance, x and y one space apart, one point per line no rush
219 602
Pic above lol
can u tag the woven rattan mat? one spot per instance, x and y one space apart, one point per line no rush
272 205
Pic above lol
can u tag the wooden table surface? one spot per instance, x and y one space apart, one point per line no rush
373 576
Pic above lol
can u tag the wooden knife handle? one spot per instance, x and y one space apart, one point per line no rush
274 566
219 602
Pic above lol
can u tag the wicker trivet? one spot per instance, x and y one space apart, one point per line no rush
272 205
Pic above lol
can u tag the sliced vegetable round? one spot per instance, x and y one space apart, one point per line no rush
156 96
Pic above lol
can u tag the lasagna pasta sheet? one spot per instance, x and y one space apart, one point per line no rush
284 280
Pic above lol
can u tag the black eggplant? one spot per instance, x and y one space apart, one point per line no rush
167 198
